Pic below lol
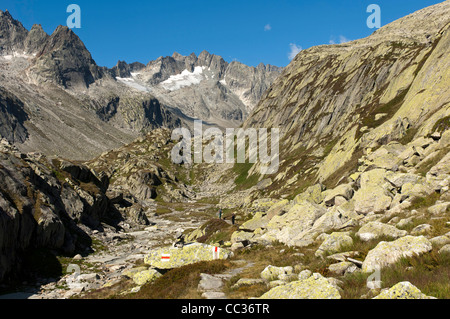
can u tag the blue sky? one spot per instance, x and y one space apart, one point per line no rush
247 31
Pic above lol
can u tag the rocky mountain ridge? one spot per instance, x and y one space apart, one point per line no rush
205 87
55 80
71 107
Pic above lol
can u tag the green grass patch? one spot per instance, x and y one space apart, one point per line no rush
304 184
423 202
244 292
429 272
371 110
439 225
216 230
354 285
112 292
180 283
329 147
345 170
389 108
98 245
162 210
425 167
409 135
222 236
442 125
243 181
61 176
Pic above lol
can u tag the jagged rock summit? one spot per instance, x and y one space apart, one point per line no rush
13 34
65 60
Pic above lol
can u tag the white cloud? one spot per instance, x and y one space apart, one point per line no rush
295 49
267 27
342 39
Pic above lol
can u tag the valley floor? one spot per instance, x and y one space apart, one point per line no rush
109 272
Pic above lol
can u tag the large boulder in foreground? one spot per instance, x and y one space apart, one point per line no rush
312 194
387 253
314 287
403 290
171 257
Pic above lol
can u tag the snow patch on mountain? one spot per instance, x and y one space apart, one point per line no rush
131 82
186 78
16 55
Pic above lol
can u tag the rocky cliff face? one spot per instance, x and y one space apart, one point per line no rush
12 118
47 204
61 58
125 70
55 204
36 39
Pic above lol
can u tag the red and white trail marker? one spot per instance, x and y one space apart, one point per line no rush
165 257
216 252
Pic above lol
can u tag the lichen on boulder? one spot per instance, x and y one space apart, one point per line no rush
373 230
314 287
259 220
372 196
146 276
271 273
293 227
387 253
334 243
403 290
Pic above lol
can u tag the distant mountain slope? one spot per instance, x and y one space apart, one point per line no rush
334 103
